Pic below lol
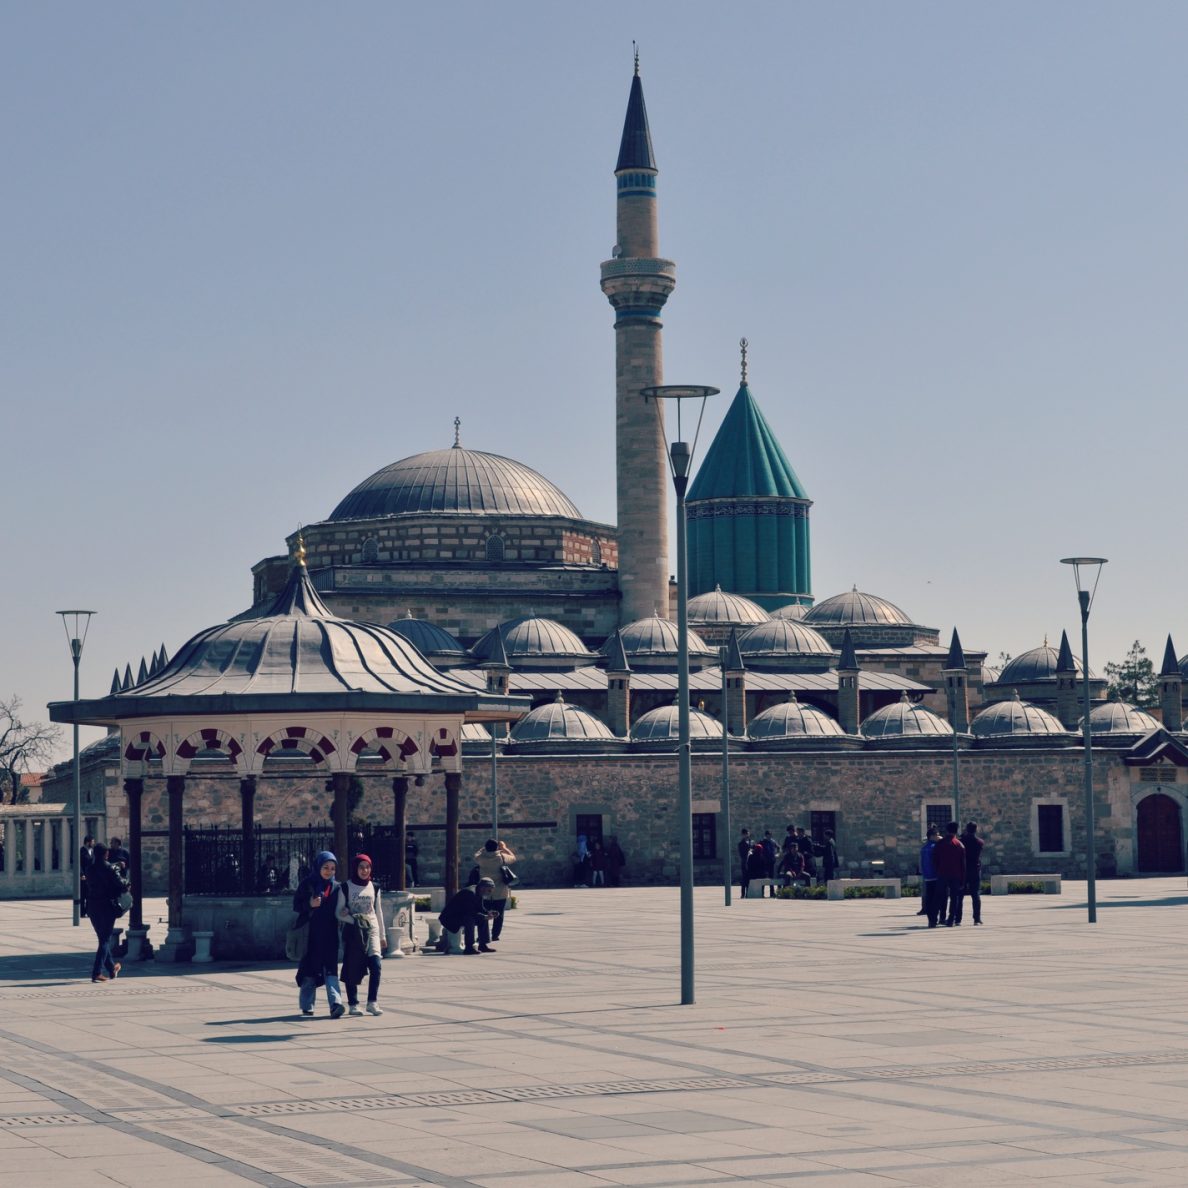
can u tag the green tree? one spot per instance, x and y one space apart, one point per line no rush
1134 679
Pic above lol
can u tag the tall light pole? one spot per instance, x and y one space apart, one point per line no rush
680 461
727 864
76 623
495 732
1087 573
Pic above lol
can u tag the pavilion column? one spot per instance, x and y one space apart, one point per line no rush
134 788
175 940
400 827
247 829
341 782
453 788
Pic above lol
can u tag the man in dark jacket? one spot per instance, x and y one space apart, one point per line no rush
949 860
465 912
105 884
929 886
84 861
744 852
973 870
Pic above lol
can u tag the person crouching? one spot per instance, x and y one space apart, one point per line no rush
467 911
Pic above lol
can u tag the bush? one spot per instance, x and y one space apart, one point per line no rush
1025 888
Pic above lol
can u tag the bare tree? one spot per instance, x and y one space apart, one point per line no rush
24 746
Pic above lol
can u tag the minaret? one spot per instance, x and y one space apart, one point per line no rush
1068 705
956 686
637 283
848 699
1171 683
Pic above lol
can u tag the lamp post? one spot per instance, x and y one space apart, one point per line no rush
727 864
680 462
1091 567
76 623
495 732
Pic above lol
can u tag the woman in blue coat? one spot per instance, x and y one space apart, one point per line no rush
315 901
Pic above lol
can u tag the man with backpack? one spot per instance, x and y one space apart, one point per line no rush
106 888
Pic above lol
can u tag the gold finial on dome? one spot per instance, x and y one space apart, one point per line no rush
743 344
299 547
457 433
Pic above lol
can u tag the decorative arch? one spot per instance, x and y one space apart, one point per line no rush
143 748
495 548
209 738
370 550
393 746
297 740
444 746
596 551
1159 831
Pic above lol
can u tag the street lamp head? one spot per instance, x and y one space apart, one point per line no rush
76 623
1086 573
680 452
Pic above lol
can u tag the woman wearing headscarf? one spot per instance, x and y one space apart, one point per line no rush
315 902
364 938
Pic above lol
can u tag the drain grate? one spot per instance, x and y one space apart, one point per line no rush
1039 1064
23 1120
108 991
806 1078
455 1097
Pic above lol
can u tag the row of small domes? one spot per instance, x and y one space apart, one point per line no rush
562 722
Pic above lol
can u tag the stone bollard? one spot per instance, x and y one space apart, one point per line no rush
138 944
202 955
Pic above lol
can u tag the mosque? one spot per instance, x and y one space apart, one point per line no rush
841 714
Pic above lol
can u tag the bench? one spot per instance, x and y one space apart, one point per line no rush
836 888
755 887
1000 883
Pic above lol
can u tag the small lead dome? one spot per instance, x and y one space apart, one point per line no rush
1120 717
904 719
560 722
662 725
652 642
535 641
853 608
780 642
1038 664
794 719
719 609
1015 719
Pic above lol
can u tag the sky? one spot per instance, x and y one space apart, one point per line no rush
254 253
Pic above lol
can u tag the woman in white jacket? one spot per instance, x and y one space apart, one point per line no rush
364 938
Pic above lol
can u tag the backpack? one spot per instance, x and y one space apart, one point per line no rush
121 894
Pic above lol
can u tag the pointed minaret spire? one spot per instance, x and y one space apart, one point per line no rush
1171 689
1067 701
1064 661
637 282
849 706
616 654
956 658
956 686
848 662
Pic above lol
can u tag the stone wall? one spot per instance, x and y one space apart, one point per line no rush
879 799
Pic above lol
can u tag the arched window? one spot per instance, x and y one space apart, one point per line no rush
370 550
596 552
495 548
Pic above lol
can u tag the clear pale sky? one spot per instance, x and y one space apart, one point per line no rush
254 252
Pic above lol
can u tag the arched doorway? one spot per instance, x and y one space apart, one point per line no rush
1160 836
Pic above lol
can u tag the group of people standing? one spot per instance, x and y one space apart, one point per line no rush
598 865
951 869
793 861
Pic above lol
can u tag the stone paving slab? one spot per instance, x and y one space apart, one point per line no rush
830 1044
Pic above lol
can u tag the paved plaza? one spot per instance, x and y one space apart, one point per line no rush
831 1044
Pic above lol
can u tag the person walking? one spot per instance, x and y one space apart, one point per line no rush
829 856
929 890
105 884
314 903
411 849
973 869
949 858
364 937
84 861
744 852
615 861
492 860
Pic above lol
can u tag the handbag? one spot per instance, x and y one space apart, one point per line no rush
508 876
297 940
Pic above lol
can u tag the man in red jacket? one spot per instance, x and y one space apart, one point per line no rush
949 857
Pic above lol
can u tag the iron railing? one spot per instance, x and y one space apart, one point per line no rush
274 859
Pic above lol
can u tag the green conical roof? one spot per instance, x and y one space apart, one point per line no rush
745 459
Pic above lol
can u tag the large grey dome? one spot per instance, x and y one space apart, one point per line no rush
455 480
794 719
1016 719
853 608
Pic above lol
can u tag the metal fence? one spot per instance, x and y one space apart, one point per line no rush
217 861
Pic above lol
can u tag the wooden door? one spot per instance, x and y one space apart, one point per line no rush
1160 841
